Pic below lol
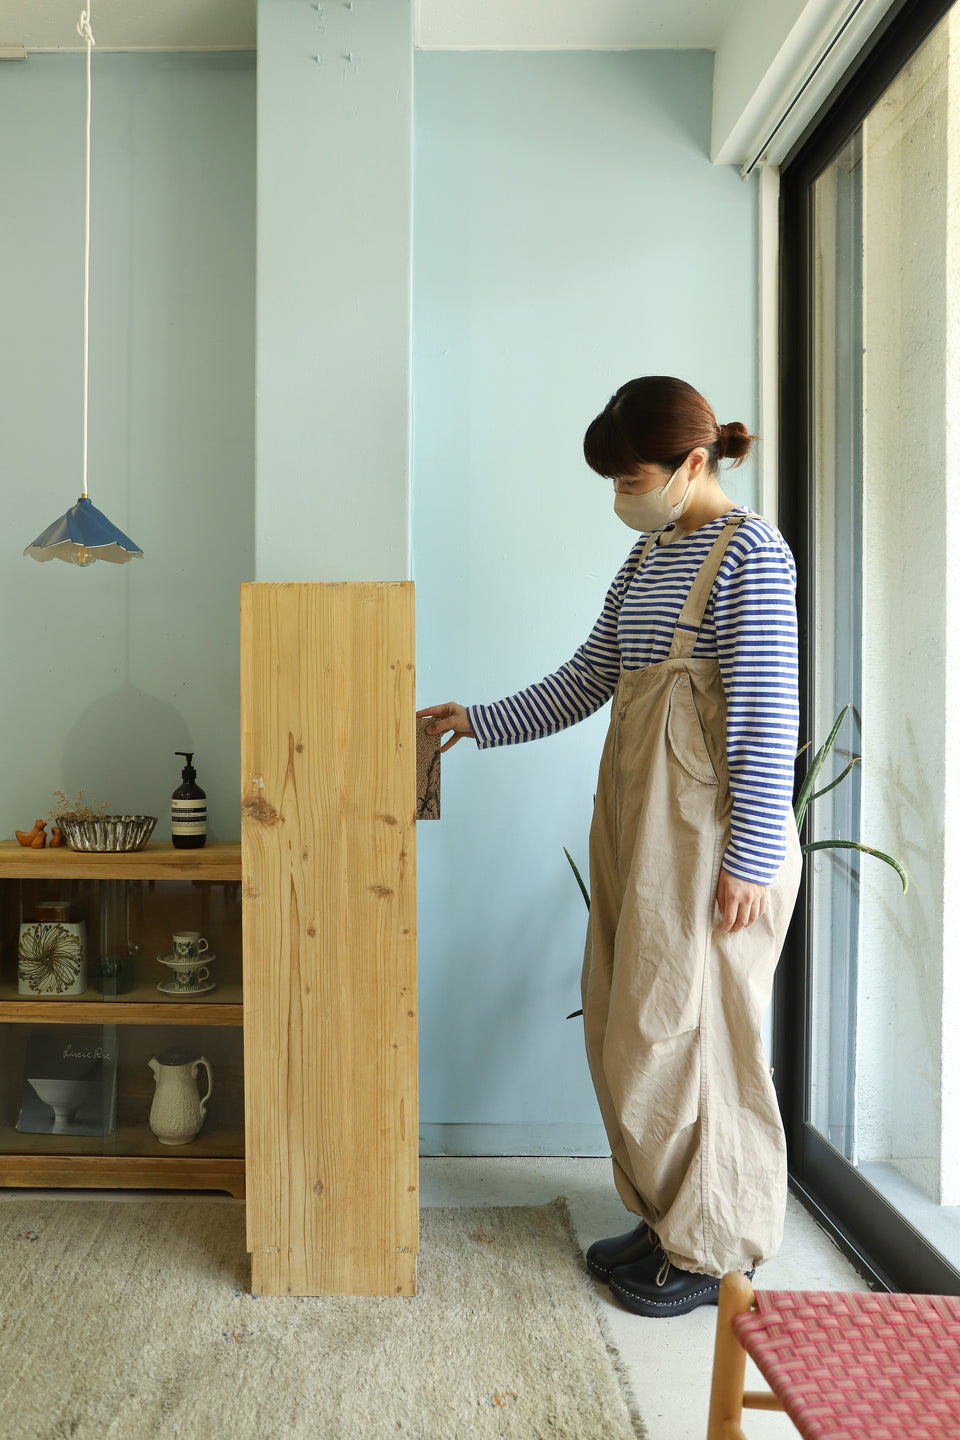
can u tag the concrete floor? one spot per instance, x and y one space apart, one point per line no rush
669 1360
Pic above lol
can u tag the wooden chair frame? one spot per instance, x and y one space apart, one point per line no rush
727 1395
854 1363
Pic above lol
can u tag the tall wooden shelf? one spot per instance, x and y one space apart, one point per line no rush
130 1157
328 826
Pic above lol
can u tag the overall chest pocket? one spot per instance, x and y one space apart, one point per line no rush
685 733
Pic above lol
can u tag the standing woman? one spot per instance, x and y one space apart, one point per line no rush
694 855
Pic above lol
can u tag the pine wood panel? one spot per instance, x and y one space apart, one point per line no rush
158 860
329 937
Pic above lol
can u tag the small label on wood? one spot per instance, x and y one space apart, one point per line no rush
428 772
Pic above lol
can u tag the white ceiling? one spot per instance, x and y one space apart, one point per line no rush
571 24
440 24
130 24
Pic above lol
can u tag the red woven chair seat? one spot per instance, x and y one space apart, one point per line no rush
849 1366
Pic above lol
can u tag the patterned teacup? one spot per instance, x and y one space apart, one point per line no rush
187 974
188 944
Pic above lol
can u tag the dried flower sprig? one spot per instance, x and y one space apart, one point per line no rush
76 809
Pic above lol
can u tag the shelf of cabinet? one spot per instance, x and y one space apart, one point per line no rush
223 1006
219 860
122 1143
123 1172
131 1156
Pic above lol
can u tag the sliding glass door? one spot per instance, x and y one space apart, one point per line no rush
868 1028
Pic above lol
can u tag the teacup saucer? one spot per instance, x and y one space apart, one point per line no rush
170 987
204 959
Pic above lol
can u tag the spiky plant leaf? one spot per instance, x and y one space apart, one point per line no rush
583 889
816 765
855 845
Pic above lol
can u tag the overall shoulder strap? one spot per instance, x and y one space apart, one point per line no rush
648 545
691 616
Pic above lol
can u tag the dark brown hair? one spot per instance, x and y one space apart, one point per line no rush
657 420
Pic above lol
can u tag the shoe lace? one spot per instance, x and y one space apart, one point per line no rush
663 1272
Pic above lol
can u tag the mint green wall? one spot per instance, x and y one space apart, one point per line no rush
334 158
108 670
570 232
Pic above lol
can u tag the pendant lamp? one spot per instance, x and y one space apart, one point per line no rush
84 534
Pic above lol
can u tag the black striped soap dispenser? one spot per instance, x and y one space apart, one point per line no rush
188 812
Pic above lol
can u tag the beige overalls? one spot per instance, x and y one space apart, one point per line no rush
672 1007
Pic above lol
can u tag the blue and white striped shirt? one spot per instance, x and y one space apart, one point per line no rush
749 626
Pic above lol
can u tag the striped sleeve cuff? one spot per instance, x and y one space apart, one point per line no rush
758 870
481 723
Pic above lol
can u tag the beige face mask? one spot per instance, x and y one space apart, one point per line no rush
652 510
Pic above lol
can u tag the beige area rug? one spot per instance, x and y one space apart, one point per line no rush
123 1321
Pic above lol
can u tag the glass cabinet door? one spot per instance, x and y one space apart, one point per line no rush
124 1090
77 939
121 1041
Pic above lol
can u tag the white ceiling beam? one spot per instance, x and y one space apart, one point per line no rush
775 65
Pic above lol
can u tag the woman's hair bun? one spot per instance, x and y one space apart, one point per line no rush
734 442
659 420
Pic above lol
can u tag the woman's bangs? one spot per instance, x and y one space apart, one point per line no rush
606 448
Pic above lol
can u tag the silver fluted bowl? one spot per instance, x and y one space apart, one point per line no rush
110 832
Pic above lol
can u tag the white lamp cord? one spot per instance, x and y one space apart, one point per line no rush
85 33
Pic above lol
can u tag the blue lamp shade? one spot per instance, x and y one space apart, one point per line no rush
82 536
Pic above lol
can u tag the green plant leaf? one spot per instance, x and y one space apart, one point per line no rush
583 889
586 900
834 783
867 850
816 765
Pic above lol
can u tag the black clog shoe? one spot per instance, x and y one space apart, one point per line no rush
657 1288
604 1256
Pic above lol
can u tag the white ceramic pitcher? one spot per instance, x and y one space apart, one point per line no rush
177 1112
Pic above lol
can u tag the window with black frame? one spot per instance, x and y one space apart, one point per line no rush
868 1002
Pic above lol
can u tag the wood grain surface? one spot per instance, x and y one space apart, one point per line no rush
329 937
132 1009
428 772
218 860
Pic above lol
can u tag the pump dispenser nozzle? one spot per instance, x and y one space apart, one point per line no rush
188 772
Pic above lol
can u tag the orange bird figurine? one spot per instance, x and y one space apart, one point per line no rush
34 839
56 837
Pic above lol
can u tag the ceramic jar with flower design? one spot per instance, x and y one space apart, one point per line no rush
52 957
